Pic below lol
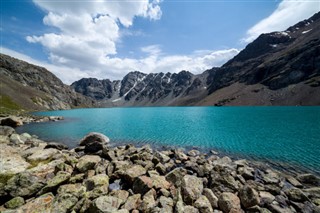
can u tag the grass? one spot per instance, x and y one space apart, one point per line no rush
7 106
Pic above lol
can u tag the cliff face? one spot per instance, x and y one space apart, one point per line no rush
30 87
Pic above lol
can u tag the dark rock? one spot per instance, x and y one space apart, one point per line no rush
296 195
94 137
308 179
55 145
11 121
93 147
249 197
142 184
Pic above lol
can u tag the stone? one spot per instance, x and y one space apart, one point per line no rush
4 139
93 147
160 182
162 157
121 194
14 203
97 180
6 131
211 197
249 197
17 139
166 203
308 179
63 203
294 182
87 162
296 195
11 121
60 178
11 161
160 168
42 155
203 205
24 184
78 190
190 209
192 188
142 184
94 137
266 197
40 204
313 192
148 201
228 201
133 202
54 145
194 153
176 175
133 172
105 204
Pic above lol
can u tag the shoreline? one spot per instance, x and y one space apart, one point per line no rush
97 177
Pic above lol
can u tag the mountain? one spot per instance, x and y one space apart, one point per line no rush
140 89
29 87
278 68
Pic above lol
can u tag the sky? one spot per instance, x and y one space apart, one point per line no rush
109 38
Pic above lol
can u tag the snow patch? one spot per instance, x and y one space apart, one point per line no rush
304 32
274 45
115 100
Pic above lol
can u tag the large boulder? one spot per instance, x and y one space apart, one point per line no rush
94 137
11 121
87 162
142 184
6 130
133 202
43 155
211 197
229 201
203 204
131 173
40 204
105 204
176 175
192 188
52 184
249 197
97 180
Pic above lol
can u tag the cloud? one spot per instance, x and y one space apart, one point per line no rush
287 14
196 62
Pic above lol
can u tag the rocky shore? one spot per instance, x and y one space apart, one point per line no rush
38 176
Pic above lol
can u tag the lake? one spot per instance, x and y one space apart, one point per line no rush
287 136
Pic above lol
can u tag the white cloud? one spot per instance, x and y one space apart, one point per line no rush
287 14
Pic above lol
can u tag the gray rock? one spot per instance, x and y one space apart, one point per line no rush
296 195
17 139
77 190
105 204
11 162
176 175
249 197
24 184
39 204
166 203
308 179
14 203
294 182
211 197
190 209
203 204
148 201
142 184
60 178
192 188
229 201
94 137
313 192
133 202
121 194
4 139
55 145
63 203
87 162
11 121
42 155
266 197
133 172
97 180
6 131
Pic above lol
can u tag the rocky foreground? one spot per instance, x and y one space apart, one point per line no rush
36 176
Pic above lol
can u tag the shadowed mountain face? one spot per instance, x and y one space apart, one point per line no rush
30 87
279 68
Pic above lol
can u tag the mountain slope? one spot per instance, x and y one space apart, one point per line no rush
31 87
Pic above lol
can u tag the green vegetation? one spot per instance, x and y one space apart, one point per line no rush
7 106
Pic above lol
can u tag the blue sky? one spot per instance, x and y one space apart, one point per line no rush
107 39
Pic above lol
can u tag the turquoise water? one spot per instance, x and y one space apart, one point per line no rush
286 135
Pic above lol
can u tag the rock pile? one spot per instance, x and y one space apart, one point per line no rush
36 176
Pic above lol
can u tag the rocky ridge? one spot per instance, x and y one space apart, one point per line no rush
37 176
31 87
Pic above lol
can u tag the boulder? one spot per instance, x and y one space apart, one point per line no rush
308 179
166 203
203 204
40 204
63 203
190 209
294 182
87 162
296 195
10 160
313 192
24 184
14 203
133 202
142 184
55 145
192 188
133 172
148 201
11 121
160 182
97 180
176 175
121 194
94 137
211 197
6 131
249 197
229 202
17 139
266 197
4 139
53 183
42 155
78 190
105 204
